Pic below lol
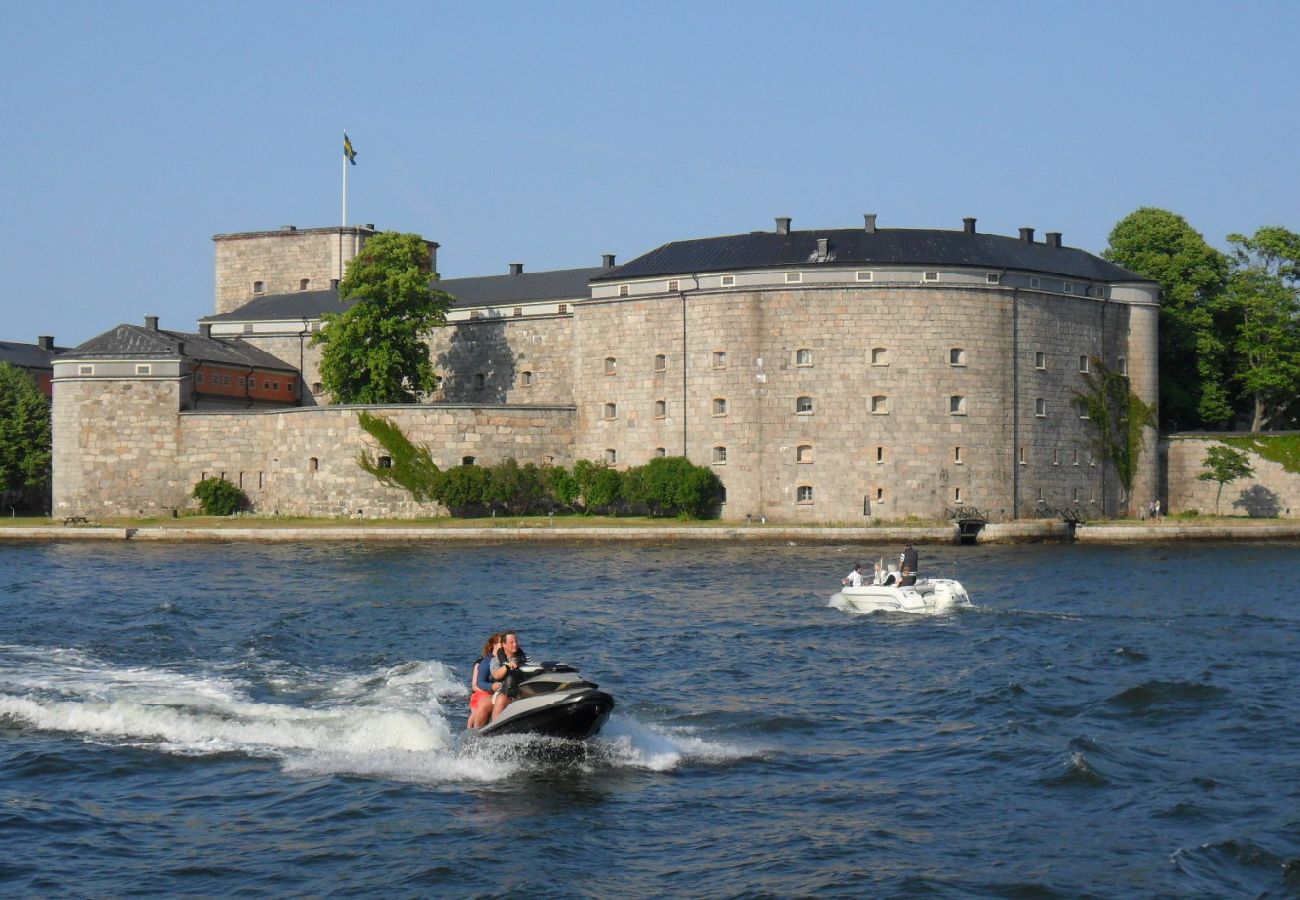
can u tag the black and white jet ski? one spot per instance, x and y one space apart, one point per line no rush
551 699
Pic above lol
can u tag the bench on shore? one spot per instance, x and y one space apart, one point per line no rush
75 520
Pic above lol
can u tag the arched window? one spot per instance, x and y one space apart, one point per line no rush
527 378
804 493
803 453
803 357
611 410
719 454
661 409
879 356
956 357
611 456
957 405
467 460
719 406
313 464
611 365
880 405
803 405
660 452
661 362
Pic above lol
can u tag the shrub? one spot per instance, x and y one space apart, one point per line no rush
698 493
463 486
219 497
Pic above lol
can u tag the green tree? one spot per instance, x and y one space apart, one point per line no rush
661 480
515 488
24 433
462 486
1224 465
374 351
698 493
1262 291
560 486
1160 245
405 464
1118 417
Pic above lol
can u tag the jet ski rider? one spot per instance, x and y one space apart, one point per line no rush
481 685
509 657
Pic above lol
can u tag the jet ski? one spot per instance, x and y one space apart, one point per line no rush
551 699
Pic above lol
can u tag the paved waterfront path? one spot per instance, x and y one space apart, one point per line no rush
1006 532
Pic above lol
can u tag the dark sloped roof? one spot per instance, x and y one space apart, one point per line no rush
483 290
28 356
137 341
847 246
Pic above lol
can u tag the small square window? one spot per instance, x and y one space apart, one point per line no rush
611 410
805 493
519 311
1035 282
993 278
660 452
611 456
728 280
259 287
957 405
793 277
719 359
526 378
673 286
719 455
930 276
1067 287
879 356
803 405
719 406
611 365
563 308
956 357
865 276
143 369
624 290
880 405
803 357
803 453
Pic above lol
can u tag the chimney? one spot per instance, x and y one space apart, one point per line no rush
607 261
782 224
516 268
45 342
823 247
869 222
288 227
151 322
969 222
1054 239
205 329
1027 235
180 348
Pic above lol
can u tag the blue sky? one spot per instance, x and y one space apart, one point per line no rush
550 133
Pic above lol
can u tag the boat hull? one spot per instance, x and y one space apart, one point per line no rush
925 597
574 715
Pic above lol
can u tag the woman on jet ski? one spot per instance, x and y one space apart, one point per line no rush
480 682
509 657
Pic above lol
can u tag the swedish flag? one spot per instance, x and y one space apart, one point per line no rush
348 151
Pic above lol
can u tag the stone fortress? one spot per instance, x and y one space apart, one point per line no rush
828 375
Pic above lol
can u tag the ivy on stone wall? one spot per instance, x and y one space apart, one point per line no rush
1117 418
403 465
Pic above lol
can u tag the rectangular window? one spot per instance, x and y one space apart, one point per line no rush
728 280
1034 282
1022 456
143 369
956 456
930 276
564 308
1040 359
519 310
673 286
1040 407
198 377
1067 287
1123 366
1083 364
956 495
624 290
866 276
719 359
242 381
880 455
793 277
993 278
85 370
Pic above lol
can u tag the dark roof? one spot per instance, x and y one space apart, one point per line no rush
138 341
28 356
483 290
848 246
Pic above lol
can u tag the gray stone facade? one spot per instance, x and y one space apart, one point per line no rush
819 393
1272 491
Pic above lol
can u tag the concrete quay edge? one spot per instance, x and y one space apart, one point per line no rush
996 533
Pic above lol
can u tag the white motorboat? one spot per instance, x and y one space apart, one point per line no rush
932 595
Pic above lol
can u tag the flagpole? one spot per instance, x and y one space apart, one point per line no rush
344 224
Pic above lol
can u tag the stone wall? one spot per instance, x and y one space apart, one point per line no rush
908 454
280 260
1272 491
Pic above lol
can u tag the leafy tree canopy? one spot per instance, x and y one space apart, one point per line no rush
1224 465
1262 293
374 351
24 432
1162 246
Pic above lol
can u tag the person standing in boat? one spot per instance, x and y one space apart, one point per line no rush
854 578
481 685
509 657
882 575
907 565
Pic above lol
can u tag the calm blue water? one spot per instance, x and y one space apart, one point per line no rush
216 720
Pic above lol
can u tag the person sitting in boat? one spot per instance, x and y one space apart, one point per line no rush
883 576
854 578
481 685
509 657
907 565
